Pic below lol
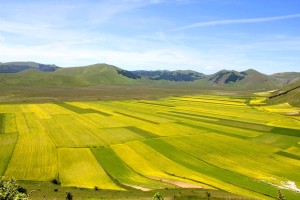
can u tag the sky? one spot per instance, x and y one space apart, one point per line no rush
201 35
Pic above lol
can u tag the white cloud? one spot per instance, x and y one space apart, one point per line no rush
236 21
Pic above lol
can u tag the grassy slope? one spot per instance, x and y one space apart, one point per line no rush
99 74
292 97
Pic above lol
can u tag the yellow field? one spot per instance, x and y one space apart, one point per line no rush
208 141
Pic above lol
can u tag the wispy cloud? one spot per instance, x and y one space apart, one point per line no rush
236 21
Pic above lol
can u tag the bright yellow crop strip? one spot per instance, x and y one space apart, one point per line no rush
171 129
103 122
141 112
21 123
53 109
129 121
34 158
39 111
123 134
101 134
33 123
150 163
10 108
285 123
242 104
77 132
59 137
258 100
78 167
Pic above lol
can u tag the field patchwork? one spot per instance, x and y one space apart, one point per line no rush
200 141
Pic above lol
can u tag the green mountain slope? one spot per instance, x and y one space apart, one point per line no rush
287 77
35 74
178 75
289 93
249 79
15 67
98 74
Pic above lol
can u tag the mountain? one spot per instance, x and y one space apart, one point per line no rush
15 67
225 76
92 75
179 75
249 79
36 74
287 77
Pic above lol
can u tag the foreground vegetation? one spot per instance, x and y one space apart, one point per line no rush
135 148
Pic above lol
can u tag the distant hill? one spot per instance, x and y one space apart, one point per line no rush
179 75
287 77
249 79
15 67
92 75
225 76
36 74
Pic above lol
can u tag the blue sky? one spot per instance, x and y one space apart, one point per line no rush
202 35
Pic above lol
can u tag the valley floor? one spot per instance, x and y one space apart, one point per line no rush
217 143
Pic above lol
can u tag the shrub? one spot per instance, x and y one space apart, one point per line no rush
9 190
158 196
56 182
69 196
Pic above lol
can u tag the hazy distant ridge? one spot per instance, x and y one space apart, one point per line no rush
31 74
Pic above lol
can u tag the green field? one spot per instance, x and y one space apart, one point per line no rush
209 142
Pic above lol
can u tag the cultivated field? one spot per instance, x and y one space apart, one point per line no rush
200 141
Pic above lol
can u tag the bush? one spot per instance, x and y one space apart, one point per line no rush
69 196
158 196
56 182
9 190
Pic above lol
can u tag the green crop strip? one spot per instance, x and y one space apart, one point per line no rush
228 122
289 155
81 110
2 123
135 117
141 132
211 130
286 131
157 104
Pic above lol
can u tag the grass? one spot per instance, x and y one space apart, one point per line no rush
47 190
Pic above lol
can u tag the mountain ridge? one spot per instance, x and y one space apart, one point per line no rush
32 73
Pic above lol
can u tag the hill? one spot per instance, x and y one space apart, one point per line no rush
103 81
98 74
35 74
289 93
287 77
178 75
15 67
249 79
